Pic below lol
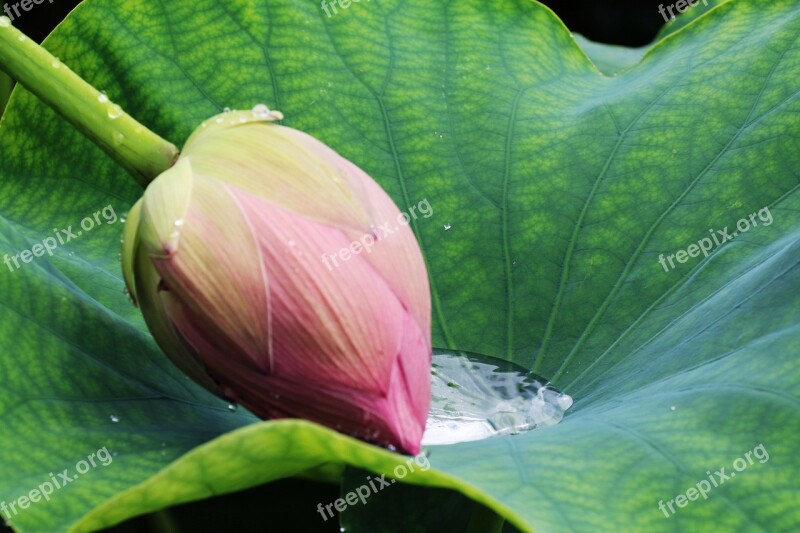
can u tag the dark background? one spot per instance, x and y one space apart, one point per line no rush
624 22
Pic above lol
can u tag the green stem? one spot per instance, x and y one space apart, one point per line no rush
141 152
6 86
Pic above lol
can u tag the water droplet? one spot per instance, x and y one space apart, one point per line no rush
672 408
119 138
226 110
391 448
114 111
122 219
476 397
56 63
22 38
102 97
219 120
5 22
114 418
261 111
179 222
231 407
447 227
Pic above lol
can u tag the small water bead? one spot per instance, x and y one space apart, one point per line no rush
114 418
56 64
261 110
119 138
226 110
114 111
231 407
447 227
5 22
22 38
102 98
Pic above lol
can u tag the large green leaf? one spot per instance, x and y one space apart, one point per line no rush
554 190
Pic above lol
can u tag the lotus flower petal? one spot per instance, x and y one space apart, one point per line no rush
278 274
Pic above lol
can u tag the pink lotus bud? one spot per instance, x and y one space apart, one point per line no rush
266 271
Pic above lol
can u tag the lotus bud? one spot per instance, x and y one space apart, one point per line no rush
236 258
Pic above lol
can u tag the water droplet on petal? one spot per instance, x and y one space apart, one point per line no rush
114 418
119 138
56 63
102 98
447 227
261 111
231 407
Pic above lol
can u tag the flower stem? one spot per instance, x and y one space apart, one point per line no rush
141 152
